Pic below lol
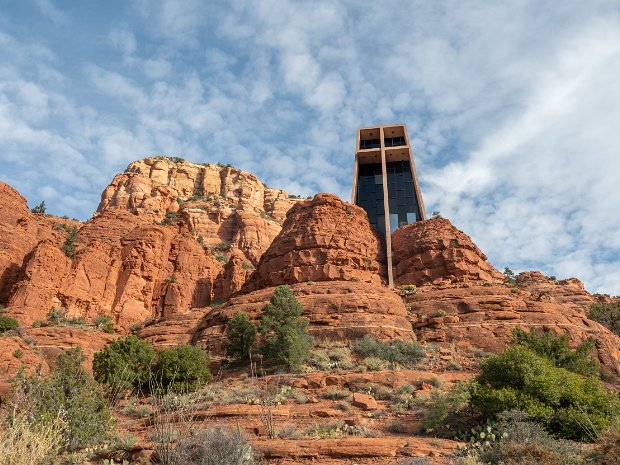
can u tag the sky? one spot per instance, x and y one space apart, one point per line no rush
512 107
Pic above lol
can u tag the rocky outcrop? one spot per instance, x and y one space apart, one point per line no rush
484 315
323 239
434 251
20 232
338 310
125 267
219 203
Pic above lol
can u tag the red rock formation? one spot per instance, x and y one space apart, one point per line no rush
221 204
484 315
20 232
336 309
323 239
433 251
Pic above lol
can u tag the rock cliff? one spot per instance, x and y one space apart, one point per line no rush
221 204
179 247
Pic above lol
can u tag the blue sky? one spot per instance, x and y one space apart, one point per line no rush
513 107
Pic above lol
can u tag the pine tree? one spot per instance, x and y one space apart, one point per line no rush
286 343
241 337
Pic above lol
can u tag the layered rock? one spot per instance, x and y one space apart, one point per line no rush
485 315
433 251
126 268
20 232
323 239
335 309
219 203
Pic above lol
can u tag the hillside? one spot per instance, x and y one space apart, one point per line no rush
176 249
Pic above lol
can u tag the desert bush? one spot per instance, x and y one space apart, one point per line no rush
339 429
448 413
7 323
519 441
170 218
71 394
23 442
241 334
397 352
336 394
569 405
374 363
124 364
214 447
335 358
183 368
40 209
68 247
104 323
607 314
558 351
286 340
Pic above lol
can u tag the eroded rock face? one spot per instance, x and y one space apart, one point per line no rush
434 251
484 315
323 239
219 203
336 309
126 268
20 232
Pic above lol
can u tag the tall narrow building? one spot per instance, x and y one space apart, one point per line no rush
385 182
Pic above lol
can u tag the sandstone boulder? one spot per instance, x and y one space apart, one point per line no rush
323 239
433 251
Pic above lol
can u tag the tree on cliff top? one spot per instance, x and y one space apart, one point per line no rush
287 343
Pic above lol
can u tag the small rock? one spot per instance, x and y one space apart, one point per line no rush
364 401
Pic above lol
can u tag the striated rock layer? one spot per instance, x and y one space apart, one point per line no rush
323 239
433 251
125 268
336 310
220 204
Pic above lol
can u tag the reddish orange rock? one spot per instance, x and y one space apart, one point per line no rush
433 251
336 309
323 239
364 401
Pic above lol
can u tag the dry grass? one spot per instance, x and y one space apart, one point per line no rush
25 443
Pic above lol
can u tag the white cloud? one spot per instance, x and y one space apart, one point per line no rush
49 10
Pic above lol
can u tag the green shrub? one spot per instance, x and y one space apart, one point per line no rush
448 413
104 323
397 352
7 324
56 315
518 440
558 351
170 218
567 404
70 393
334 358
607 314
40 209
183 368
241 334
68 247
286 340
124 364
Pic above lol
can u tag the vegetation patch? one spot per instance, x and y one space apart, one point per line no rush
396 353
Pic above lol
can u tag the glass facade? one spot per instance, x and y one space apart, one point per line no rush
402 200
